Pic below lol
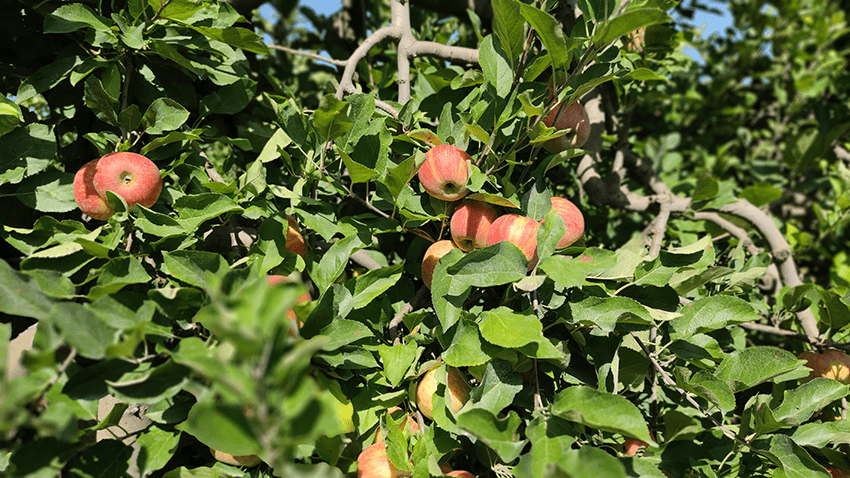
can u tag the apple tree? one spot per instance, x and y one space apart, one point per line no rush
268 314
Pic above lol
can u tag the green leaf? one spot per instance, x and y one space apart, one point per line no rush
46 78
26 151
72 17
172 137
104 458
494 265
500 434
802 402
746 368
607 312
229 99
467 348
498 387
708 387
601 410
508 29
506 328
243 38
151 222
592 462
335 259
397 359
331 120
19 295
221 426
51 191
193 210
157 446
83 330
629 22
117 274
274 146
551 33
191 266
711 313
495 65
164 114
367 287
100 102
644 74
792 459
10 115
761 194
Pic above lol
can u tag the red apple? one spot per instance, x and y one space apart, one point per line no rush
573 219
374 463
412 425
432 256
445 468
457 388
520 231
470 224
85 195
573 117
294 240
237 460
290 313
461 474
832 363
632 445
837 472
445 172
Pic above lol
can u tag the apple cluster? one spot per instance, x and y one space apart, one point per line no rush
129 175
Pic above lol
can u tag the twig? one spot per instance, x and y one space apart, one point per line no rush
65 364
407 308
308 54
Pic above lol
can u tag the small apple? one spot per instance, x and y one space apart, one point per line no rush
461 474
294 240
445 172
520 231
412 426
832 363
573 117
374 463
470 224
290 313
632 445
237 460
573 220
432 255
457 388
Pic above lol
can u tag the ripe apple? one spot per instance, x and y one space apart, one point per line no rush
573 117
461 474
236 460
445 172
412 425
470 224
294 240
432 255
832 363
129 175
457 388
374 463
573 219
837 472
290 313
86 196
632 445
520 231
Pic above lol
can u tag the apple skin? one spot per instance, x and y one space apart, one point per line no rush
290 313
458 390
837 472
236 460
129 175
374 463
294 240
573 117
461 474
432 255
832 363
412 426
470 224
86 196
573 220
520 231
632 445
445 172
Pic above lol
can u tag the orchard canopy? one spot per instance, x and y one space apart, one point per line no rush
713 187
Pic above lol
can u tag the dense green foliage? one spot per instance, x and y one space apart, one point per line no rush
671 326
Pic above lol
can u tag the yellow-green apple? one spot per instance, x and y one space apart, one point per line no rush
470 224
445 172
129 175
237 460
294 240
461 474
456 387
573 117
573 220
412 425
832 363
373 462
290 313
86 196
432 255
520 231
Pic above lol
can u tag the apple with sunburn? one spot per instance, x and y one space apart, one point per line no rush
236 460
432 255
520 231
470 224
129 175
832 363
573 117
457 388
445 172
573 220
373 462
